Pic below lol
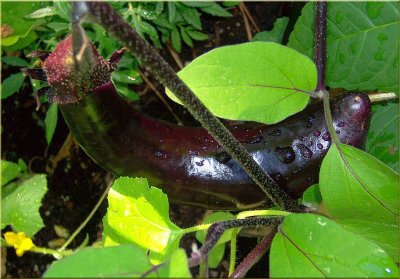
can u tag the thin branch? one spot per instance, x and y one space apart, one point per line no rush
321 12
254 256
116 26
250 17
246 22
215 232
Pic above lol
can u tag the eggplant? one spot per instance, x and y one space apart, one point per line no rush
186 162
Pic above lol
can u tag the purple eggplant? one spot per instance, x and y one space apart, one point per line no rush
186 162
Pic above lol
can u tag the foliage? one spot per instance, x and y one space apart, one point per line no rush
267 91
357 192
21 199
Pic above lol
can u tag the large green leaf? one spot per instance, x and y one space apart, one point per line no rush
383 135
118 261
138 214
362 44
314 246
13 16
252 81
362 193
20 204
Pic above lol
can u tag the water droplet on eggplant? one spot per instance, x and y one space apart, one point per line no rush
160 154
285 154
304 151
320 146
326 136
341 124
276 132
256 139
317 133
200 163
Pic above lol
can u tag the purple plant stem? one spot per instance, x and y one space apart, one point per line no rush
321 11
215 232
116 26
254 255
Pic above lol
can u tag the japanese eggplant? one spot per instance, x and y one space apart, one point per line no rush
186 162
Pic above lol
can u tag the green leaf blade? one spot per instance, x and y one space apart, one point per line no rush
20 208
50 122
138 214
253 92
307 246
11 85
362 193
362 44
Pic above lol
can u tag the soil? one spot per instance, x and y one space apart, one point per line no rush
76 183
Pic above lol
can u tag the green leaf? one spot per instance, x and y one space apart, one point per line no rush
312 196
362 45
125 91
191 16
20 207
217 252
13 16
197 4
215 10
14 61
276 34
117 261
50 122
362 194
58 26
43 12
186 38
171 12
176 40
197 35
11 85
314 246
251 82
127 76
383 135
63 9
9 171
138 214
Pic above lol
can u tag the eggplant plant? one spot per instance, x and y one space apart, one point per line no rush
250 166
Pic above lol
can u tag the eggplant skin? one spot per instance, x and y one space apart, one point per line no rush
191 167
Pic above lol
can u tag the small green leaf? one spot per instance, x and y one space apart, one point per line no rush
14 61
43 12
127 76
215 10
276 34
11 85
50 122
256 81
362 193
58 26
383 135
176 40
363 42
314 246
197 35
186 38
138 214
175 267
191 16
312 196
9 171
20 207
171 12
125 91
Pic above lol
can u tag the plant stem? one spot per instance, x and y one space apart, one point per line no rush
321 11
83 224
215 232
254 256
116 26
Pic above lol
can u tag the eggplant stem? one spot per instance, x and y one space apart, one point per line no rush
321 12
